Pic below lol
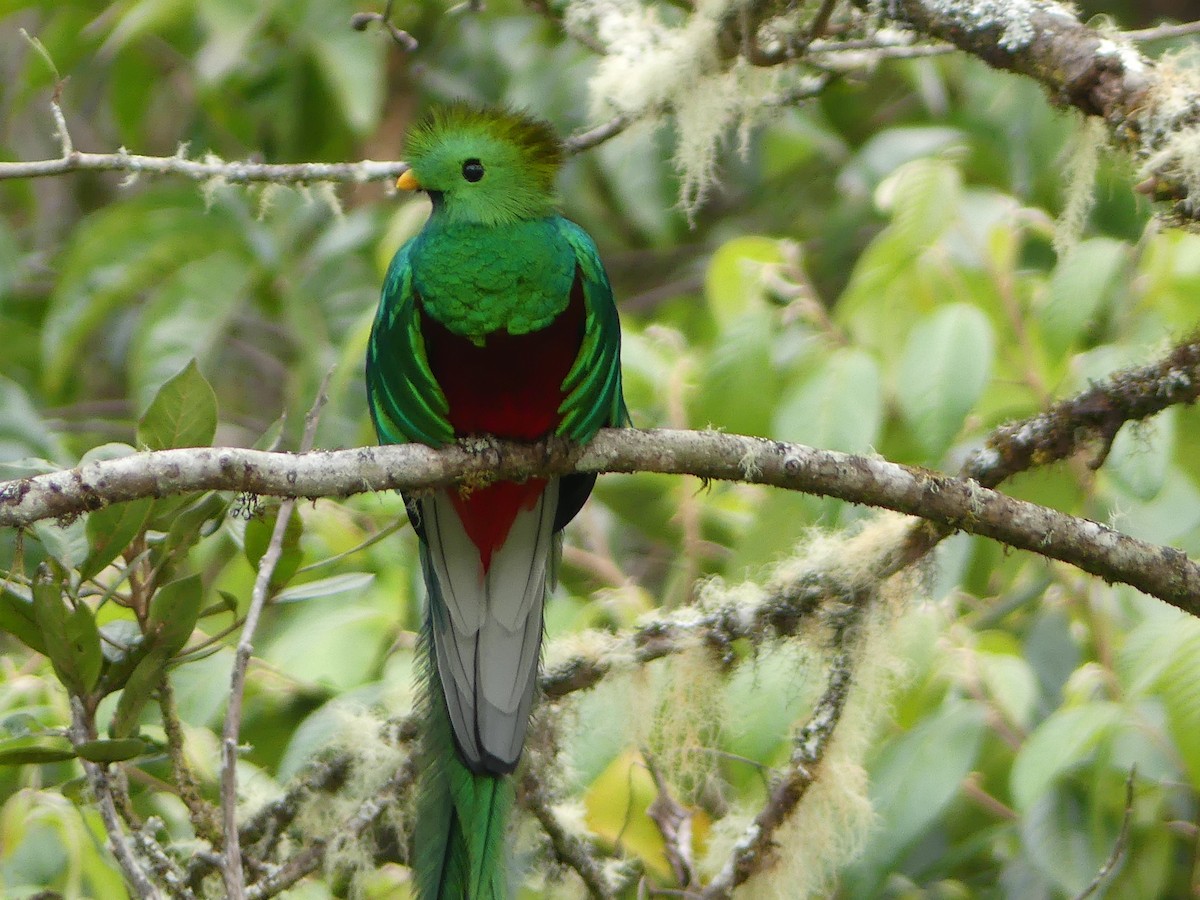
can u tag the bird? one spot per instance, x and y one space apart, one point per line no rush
496 319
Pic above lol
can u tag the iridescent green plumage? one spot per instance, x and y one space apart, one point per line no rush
498 318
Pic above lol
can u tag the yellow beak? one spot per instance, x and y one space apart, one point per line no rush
408 181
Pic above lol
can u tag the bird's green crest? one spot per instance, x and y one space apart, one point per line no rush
489 166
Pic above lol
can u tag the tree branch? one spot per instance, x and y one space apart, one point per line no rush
209 169
1095 415
136 876
753 852
1153 115
960 504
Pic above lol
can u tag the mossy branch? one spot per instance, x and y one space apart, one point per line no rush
1151 110
954 503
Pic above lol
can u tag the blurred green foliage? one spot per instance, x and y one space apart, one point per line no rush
877 274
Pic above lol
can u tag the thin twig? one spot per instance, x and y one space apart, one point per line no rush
200 812
1162 32
164 867
820 21
210 169
136 876
235 886
404 40
1119 845
674 822
591 137
754 851
310 858
569 847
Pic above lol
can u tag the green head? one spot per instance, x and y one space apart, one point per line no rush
485 166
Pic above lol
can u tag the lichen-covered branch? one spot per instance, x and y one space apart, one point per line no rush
1152 111
960 504
309 859
208 169
212 170
1090 418
136 875
569 848
753 851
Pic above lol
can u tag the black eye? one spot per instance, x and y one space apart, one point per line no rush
472 170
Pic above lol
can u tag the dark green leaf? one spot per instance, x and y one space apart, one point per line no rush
110 531
739 386
139 688
1062 741
909 790
18 618
182 414
326 587
51 614
102 751
173 613
228 604
945 368
85 642
65 543
23 431
258 538
837 406
35 749
123 646
1079 292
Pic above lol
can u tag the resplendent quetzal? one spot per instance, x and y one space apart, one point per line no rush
497 318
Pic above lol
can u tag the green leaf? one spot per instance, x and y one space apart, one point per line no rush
838 407
141 18
65 543
35 749
182 414
23 431
1169 662
188 318
1056 836
1010 681
1080 291
121 251
946 364
923 197
1065 739
123 646
733 284
104 751
739 387
110 531
886 151
326 587
173 614
139 688
352 69
909 789
18 618
84 638
51 614
258 538
1141 455
227 604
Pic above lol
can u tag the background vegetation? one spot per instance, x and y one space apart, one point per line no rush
896 267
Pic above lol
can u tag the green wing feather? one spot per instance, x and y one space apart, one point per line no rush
593 386
406 402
